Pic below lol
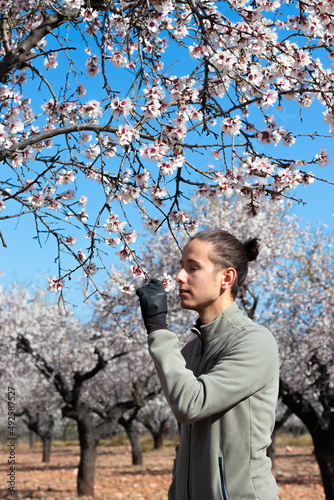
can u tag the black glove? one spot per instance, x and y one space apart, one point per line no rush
153 304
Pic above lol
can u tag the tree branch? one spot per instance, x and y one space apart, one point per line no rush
19 55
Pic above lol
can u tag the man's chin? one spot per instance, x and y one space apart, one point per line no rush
188 307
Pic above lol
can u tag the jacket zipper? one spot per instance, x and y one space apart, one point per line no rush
200 353
220 462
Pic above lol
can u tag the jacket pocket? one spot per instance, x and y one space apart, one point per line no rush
221 475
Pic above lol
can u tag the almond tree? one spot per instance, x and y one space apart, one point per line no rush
158 419
112 107
39 406
71 358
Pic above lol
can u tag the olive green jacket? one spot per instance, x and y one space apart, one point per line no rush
222 388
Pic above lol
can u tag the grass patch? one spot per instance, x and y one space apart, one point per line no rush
288 439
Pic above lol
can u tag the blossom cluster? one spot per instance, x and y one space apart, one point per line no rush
142 139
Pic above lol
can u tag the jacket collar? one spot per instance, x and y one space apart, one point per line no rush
220 326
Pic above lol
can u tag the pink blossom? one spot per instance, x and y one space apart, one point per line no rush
255 74
269 99
152 25
81 256
152 224
92 66
126 288
93 151
82 216
113 242
121 107
196 51
3 135
69 194
154 151
55 284
90 269
124 254
118 59
73 4
128 193
136 271
179 216
50 62
81 90
91 109
113 225
216 154
89 14
37 200
70 240
65 177
2 204
323 158
143 178
158 192
83 200
126 134
167 167
231 126
130 237
86 137
168 282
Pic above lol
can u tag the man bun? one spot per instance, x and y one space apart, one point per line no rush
252 248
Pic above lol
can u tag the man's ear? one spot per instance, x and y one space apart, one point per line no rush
229 276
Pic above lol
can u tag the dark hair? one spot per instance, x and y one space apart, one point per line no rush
230 252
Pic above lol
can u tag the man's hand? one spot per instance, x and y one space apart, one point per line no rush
153 303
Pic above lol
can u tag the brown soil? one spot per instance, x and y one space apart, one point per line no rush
296 472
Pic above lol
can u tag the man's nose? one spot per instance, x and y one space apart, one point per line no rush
180 277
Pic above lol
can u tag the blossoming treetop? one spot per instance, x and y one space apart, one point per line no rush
132 95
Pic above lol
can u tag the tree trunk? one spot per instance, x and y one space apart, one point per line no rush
323 441
321 428
32 439
271 451
46 439
157 432
133 435
158 439
88 445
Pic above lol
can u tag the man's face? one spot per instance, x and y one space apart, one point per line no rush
200 285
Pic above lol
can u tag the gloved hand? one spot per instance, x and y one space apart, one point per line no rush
153 304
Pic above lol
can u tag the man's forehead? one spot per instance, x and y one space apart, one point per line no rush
196 251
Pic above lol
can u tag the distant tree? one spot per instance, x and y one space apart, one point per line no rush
158 419
39 407
71 358
132 429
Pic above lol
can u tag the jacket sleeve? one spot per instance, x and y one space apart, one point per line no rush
247 367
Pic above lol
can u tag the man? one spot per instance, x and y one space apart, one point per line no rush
222 387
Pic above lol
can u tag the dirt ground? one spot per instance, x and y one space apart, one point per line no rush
296 472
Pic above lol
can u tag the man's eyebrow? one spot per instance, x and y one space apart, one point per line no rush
192 261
